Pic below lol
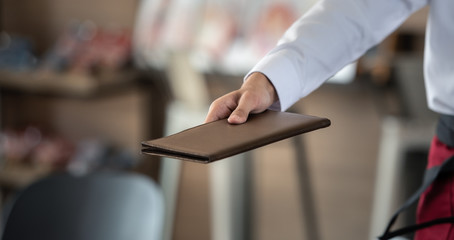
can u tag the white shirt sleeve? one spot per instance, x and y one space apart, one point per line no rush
331 35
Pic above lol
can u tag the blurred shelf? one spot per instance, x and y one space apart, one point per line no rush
19 176
64 84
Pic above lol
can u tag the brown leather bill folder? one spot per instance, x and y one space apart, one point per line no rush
217 140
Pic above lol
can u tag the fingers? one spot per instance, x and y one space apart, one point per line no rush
222 107
246 104
254 96
216 113
235 106
238 117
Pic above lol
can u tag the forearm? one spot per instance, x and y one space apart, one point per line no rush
331 35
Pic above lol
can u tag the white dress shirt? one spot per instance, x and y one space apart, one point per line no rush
335 33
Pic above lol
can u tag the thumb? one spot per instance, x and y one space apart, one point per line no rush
238 116
246 104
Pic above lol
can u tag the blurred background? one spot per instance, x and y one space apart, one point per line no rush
83 83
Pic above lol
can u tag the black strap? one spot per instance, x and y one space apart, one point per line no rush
429 177
445 129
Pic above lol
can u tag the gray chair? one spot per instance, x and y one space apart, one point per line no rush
106 205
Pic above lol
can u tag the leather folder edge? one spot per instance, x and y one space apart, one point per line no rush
175 154
158 151
322 124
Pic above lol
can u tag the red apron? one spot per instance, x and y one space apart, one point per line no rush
438 200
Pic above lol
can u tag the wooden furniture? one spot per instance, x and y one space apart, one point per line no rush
121 108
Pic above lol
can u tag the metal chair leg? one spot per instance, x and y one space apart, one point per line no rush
308 204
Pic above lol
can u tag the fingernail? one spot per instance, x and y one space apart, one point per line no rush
234 119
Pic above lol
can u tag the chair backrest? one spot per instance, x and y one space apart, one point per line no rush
103 205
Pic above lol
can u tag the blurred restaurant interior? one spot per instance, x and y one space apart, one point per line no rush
83 83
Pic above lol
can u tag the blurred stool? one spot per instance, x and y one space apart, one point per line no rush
400 167
405 141
105 205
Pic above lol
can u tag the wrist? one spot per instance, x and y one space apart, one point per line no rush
259 80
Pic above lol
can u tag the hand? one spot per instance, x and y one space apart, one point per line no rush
255 96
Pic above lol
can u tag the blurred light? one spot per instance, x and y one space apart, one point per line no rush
345 75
